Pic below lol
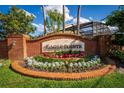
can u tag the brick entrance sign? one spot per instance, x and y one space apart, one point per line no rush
18 47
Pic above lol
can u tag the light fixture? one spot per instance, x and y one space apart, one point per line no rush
14 42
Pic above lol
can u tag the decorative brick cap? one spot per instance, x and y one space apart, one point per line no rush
18 36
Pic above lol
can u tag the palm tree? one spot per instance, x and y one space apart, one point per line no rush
55 18
78 19
44 17
63 18
59 21
52 19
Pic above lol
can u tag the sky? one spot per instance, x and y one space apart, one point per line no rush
88 13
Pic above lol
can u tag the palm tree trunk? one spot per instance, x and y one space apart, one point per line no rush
63 18
44 17
78 19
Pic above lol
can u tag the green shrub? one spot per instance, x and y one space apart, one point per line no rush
119 54
67 52
119 39
42 59
88 57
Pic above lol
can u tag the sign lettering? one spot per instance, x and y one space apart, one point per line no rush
62 45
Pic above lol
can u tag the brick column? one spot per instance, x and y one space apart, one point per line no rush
17 49
101 45
104 44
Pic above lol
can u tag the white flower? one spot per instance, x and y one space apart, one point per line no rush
98 59
29 60
41 63
29 64
49 64
95 58
87 64
79 64
34 60
92 61
62 63
57 64
1 64
44 65
35 63
76 64
71 64
53 65
84 63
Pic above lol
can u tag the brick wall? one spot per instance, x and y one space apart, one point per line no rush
25 47
34 46
3 49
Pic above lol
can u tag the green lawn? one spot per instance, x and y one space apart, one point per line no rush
11 79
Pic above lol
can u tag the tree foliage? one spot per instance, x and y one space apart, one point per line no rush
116 18
55 18
16 21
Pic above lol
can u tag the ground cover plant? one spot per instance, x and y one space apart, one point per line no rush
11 79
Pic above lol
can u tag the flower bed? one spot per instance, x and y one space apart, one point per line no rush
64 76
65 54
40 63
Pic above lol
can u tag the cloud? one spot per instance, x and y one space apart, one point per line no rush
39 27
59 8
103 22
82 20
28 13
90 18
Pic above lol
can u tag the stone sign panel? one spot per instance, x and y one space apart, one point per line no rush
63 44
